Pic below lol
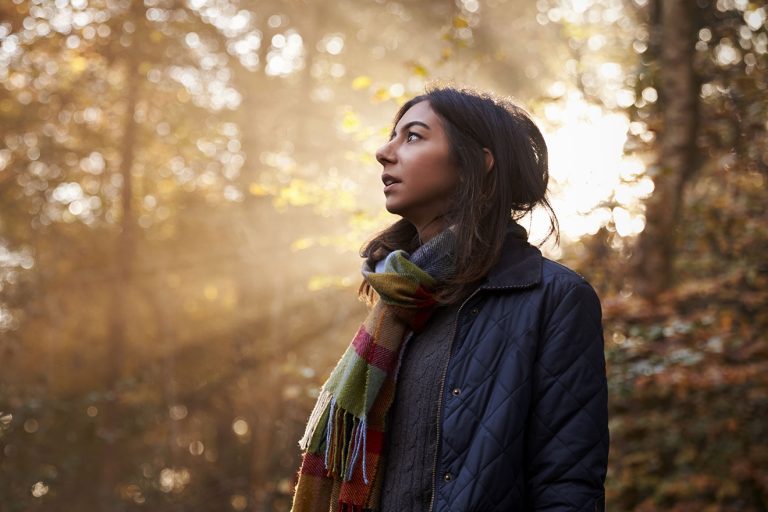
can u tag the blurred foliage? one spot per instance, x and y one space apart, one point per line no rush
689 389
687 369
687 374
163 351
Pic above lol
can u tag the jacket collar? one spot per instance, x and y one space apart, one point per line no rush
520 264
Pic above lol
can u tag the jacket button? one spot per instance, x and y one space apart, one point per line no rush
474 311
447 477
456 391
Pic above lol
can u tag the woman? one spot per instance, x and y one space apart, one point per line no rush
477 381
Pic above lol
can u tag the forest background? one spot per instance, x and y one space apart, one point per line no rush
185 184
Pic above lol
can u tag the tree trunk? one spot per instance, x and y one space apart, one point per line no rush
125 251
655 252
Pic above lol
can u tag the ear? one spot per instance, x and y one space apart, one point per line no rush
489 161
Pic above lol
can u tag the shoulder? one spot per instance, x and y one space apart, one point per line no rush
565 290
522 268
557 274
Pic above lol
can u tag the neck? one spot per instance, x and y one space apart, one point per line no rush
429 229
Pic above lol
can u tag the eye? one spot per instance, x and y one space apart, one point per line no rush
412 136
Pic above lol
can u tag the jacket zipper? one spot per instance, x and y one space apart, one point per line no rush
442 382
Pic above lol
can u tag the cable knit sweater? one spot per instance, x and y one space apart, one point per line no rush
411 432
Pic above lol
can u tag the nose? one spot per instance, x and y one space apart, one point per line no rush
385 155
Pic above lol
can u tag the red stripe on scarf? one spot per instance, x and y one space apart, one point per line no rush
374 441
374 354
313 464
425 303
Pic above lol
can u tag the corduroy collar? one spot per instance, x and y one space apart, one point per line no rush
519 266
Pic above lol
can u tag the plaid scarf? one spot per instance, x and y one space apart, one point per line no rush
341 469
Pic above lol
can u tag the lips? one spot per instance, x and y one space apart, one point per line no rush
389 181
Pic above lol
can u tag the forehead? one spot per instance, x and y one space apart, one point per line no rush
422 111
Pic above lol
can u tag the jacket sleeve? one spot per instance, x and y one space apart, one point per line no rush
567 434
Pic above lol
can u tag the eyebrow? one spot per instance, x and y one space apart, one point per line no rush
408 125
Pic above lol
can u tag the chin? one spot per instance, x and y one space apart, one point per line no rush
393 208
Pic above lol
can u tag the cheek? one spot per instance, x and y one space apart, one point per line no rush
436 169
444 177
447 182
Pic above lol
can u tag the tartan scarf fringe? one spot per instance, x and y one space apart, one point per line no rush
344 437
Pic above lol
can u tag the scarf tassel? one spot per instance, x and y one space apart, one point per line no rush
344 435
345 440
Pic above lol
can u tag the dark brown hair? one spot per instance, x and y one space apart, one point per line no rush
485 202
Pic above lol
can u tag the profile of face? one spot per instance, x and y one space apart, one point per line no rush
419 173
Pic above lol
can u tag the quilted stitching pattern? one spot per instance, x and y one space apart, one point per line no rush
528 432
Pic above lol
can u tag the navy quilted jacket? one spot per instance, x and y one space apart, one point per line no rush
523 418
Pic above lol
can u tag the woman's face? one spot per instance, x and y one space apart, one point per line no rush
418 173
